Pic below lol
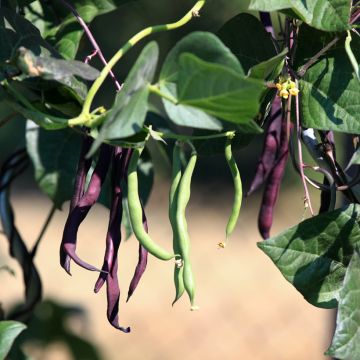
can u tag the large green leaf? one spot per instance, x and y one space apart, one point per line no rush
330 91
211 50
128 113
218 90
314 254
69 33
9 331
55 156
327 15
346 342
243 34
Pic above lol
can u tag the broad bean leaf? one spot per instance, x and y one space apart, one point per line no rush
55 156
242 35
269 69
314 255
330 91
9 331
69 33
207 47
346 342
128 113
218 90
326 15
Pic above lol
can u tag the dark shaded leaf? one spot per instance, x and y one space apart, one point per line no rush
9 331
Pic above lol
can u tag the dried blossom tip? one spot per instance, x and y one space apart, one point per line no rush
221 245
179 263
194 308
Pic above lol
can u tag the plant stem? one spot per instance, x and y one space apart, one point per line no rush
43 230
133 41
92 40
301 163
351 55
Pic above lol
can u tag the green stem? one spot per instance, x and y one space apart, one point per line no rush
133 41
228 134
156 90
351 55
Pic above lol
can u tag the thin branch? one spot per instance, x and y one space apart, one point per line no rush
42 231
92 40
301 163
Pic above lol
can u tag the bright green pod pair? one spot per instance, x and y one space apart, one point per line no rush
179 198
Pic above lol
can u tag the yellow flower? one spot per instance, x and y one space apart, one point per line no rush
292 85
284 94
294 92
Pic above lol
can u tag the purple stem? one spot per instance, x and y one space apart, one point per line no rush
92 40
265 18
78 214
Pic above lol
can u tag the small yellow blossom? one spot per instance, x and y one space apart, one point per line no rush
294 92
278 86
284 94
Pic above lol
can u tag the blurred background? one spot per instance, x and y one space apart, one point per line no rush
247 309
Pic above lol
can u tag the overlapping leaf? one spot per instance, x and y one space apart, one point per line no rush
207 47
314 254
327 15
128 113
218 90
330 91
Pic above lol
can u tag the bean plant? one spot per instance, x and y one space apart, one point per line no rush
295 84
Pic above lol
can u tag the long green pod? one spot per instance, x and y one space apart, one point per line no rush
173 201
184 238
135 211
238 195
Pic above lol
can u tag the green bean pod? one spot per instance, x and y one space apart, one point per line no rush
173 200
135 211
184 238
234 216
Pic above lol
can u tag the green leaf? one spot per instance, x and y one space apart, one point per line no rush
218 90
355 159
68 35
269 69
16 31
243 34
128 113
211 50
314 255
9 331
51 68
346 342
330 91
55 156
327 15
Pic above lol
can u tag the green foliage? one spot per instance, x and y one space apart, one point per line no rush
346 342
9 331
327 15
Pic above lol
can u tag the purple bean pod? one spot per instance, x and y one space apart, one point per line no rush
113 236
78 214
270 150
79 186
273 184
141 265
